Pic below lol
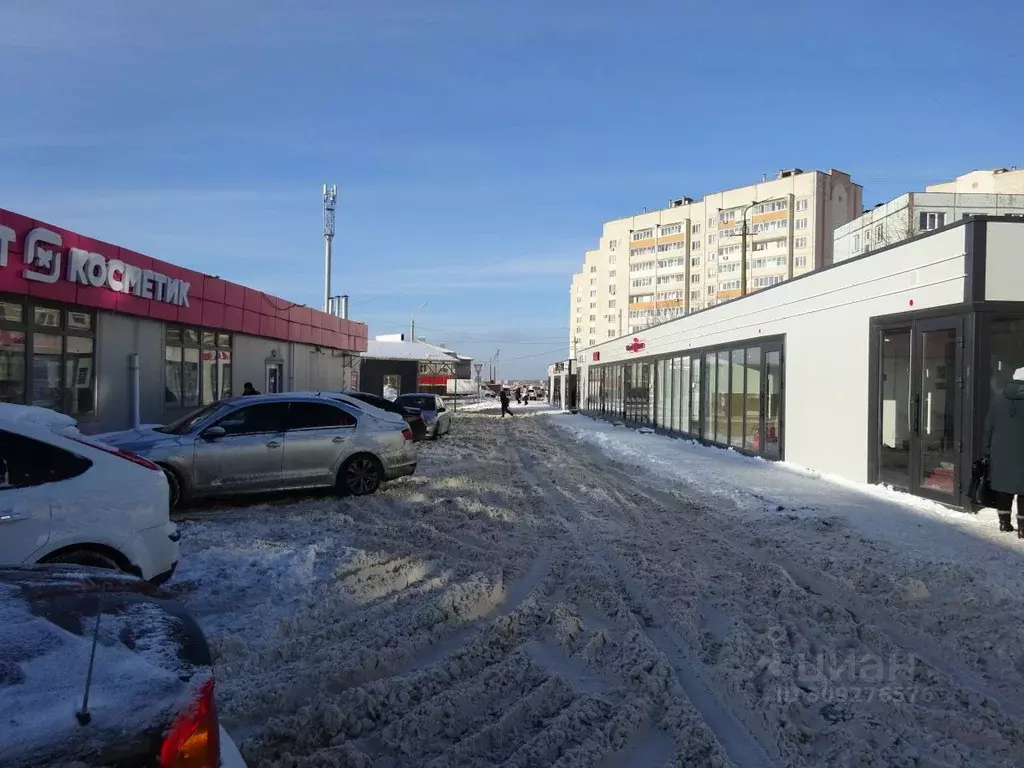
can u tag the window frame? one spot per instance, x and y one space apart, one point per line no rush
29 329
334 405
245 406
221 341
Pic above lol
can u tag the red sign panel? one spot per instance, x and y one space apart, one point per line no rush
433 381
597 356
47 262
635 346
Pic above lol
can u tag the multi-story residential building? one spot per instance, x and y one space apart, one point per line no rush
657 265
997 192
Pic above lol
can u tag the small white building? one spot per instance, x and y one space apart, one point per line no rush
995 193
878 369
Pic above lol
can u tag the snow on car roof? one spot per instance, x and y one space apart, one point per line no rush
13 413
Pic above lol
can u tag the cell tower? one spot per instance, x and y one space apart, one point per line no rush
330 199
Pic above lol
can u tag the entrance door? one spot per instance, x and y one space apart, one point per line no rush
771 400
919 401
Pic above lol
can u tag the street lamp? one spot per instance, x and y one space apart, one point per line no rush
412 322
743 248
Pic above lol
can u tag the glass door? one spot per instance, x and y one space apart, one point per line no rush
937 408
919 388
771 443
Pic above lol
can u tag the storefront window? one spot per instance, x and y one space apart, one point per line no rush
197 367
190 378
79 321
12 312
12 366
172 376
46 369
79 371
47 317
736 402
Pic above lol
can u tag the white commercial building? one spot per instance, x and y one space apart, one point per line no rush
657 265
997 193
879 368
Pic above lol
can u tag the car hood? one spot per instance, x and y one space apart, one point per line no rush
138 439
151 658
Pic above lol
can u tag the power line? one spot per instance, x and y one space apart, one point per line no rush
464 337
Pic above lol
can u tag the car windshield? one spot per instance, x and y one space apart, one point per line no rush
423 402
189 420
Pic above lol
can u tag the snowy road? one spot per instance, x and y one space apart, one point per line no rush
526 599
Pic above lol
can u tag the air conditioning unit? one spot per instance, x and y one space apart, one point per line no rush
785 174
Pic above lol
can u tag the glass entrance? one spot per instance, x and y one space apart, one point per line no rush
919 400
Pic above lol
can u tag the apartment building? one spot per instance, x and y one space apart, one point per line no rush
658 265
998 192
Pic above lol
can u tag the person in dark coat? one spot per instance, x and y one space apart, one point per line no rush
504 403
249 389
1003 444
519 395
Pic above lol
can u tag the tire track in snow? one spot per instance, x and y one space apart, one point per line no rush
741 746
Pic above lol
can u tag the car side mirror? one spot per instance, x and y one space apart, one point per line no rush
441 409
213 433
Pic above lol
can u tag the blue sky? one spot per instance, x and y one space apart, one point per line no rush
477 145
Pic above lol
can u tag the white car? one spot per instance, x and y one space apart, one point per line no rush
66 498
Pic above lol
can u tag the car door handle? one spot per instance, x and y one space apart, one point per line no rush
338 439
10 516
273 444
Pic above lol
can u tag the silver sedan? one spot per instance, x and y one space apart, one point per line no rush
275 442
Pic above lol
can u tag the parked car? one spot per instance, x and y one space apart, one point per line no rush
65 498
433 411
151 692
260 443
412 416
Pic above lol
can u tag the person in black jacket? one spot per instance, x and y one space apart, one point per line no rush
504 403
249 389
1003 444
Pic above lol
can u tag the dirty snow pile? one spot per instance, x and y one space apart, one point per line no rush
534 597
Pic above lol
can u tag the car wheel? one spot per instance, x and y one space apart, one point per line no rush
86 557
173 488
361 475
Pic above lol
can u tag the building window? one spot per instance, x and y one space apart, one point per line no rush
695 261
801 224
671 229
61 371
800 242
593 281
593 318
879 233
856 243
801 205
593 294
611 304
643 234
611 273
929 221
711 221
694 278
611 259
611 334
695 229
197 367
801 261
593 269
696 245
711 290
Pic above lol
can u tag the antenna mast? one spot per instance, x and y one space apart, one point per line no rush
330 198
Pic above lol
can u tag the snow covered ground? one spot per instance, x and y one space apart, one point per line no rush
554 591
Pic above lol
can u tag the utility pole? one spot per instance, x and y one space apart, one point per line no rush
743 251
330 199
496 355
412 322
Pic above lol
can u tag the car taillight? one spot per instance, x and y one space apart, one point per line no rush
134 458
194 738
407 433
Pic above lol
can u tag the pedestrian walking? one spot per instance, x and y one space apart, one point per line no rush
526 397
1003 445
519 396
504 403
249 389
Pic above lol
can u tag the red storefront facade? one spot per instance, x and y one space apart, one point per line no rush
66 298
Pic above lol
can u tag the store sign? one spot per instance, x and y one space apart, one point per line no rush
635 346
597 356
43 256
